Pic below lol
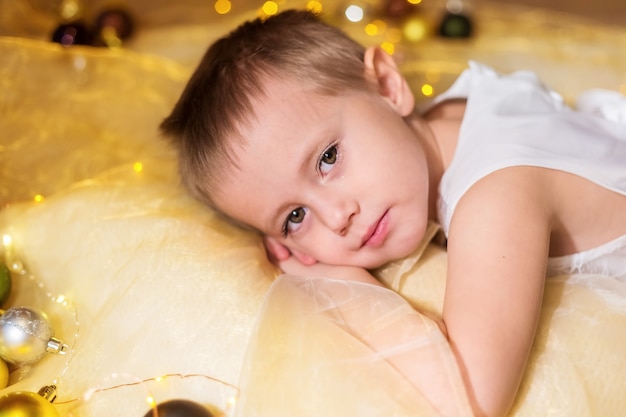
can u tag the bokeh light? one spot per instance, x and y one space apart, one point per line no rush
354 13
223 6
388 47
270 8
314 6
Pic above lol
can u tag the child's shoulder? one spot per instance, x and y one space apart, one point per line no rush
451 109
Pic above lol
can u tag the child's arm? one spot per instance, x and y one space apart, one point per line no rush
292 266
497 250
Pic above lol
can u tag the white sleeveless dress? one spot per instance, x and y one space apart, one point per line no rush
514 120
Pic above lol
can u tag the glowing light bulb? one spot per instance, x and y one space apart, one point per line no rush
138 167
223 6
354 13
427 90
38 198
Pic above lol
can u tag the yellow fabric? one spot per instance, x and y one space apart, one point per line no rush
161 285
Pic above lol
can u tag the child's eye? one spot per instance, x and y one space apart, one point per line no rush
293 221
328 159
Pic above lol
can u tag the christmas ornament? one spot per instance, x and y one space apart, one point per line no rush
455 23
26 404
26 335
112 27
4 374
75 33
455 26
178 408
5 283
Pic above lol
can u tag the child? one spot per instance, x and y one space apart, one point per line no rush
293 129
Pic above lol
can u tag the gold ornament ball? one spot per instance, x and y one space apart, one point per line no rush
26 404
4 375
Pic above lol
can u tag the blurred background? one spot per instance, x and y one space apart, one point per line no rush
607 11
571 43
25 17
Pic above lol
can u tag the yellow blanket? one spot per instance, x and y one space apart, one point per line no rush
158 298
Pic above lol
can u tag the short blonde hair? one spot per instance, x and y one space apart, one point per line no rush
218 96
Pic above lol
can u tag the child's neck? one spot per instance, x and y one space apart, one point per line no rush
438 133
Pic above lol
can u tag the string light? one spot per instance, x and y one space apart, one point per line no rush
18 268
137 167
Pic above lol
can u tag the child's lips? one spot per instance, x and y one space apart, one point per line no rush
377 233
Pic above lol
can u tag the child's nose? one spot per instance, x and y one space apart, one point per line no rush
338 214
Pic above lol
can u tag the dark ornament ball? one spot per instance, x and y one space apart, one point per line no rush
454 25
178 408
75 33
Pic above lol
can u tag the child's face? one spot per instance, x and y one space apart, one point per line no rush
342 179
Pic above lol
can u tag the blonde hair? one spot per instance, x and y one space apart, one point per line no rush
217 98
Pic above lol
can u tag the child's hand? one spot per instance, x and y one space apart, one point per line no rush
278 252
296 263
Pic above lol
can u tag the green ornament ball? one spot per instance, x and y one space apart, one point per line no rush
5 284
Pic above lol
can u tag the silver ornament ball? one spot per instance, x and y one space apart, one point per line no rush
24 335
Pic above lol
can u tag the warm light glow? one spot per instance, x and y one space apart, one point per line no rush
7 240
270 8
371 29
414 1
314 6
38 198
138 167
354 13
222 6
394 35
376 27
433 77
69 9
151 401
415 29
388 47
427 90
109 34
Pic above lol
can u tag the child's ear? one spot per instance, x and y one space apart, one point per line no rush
391 83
